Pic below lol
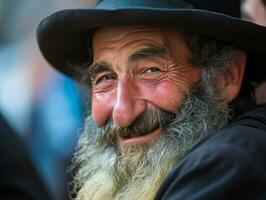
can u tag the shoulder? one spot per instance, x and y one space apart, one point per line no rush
222 165
245 138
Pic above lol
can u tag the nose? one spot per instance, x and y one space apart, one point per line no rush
128 105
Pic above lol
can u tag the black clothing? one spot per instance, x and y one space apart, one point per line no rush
230 164
18 178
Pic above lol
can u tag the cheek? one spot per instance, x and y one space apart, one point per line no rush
168 94
165 95
102 105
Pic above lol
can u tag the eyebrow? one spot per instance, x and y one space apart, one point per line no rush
149 52
98 67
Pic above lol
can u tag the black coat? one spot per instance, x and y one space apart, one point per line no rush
18 178
228 165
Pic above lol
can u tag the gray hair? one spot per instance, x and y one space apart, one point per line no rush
213 57
208 53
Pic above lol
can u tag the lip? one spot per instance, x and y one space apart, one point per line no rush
143 139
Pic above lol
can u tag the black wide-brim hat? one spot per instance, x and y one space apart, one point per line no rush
65 36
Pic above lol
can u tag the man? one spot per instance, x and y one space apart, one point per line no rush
162 74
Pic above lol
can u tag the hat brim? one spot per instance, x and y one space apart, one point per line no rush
64 37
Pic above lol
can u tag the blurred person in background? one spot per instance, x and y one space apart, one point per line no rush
42 106
255 11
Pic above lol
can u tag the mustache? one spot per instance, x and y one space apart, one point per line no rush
144 123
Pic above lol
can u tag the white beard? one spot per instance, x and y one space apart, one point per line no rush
129 178
136 172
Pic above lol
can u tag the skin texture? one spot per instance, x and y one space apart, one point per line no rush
128 81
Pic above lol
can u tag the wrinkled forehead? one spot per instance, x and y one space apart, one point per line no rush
117 31
132 36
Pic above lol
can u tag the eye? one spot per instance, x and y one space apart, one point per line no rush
151 73
152 70
104 78
103 81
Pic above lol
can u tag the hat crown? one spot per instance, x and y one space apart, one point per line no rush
227 7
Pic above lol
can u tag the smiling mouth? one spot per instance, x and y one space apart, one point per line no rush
146 138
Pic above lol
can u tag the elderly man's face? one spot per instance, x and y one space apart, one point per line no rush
137 70
150 105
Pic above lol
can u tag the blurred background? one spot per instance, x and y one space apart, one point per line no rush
255 11
44 107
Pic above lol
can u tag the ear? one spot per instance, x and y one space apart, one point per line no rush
229 82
